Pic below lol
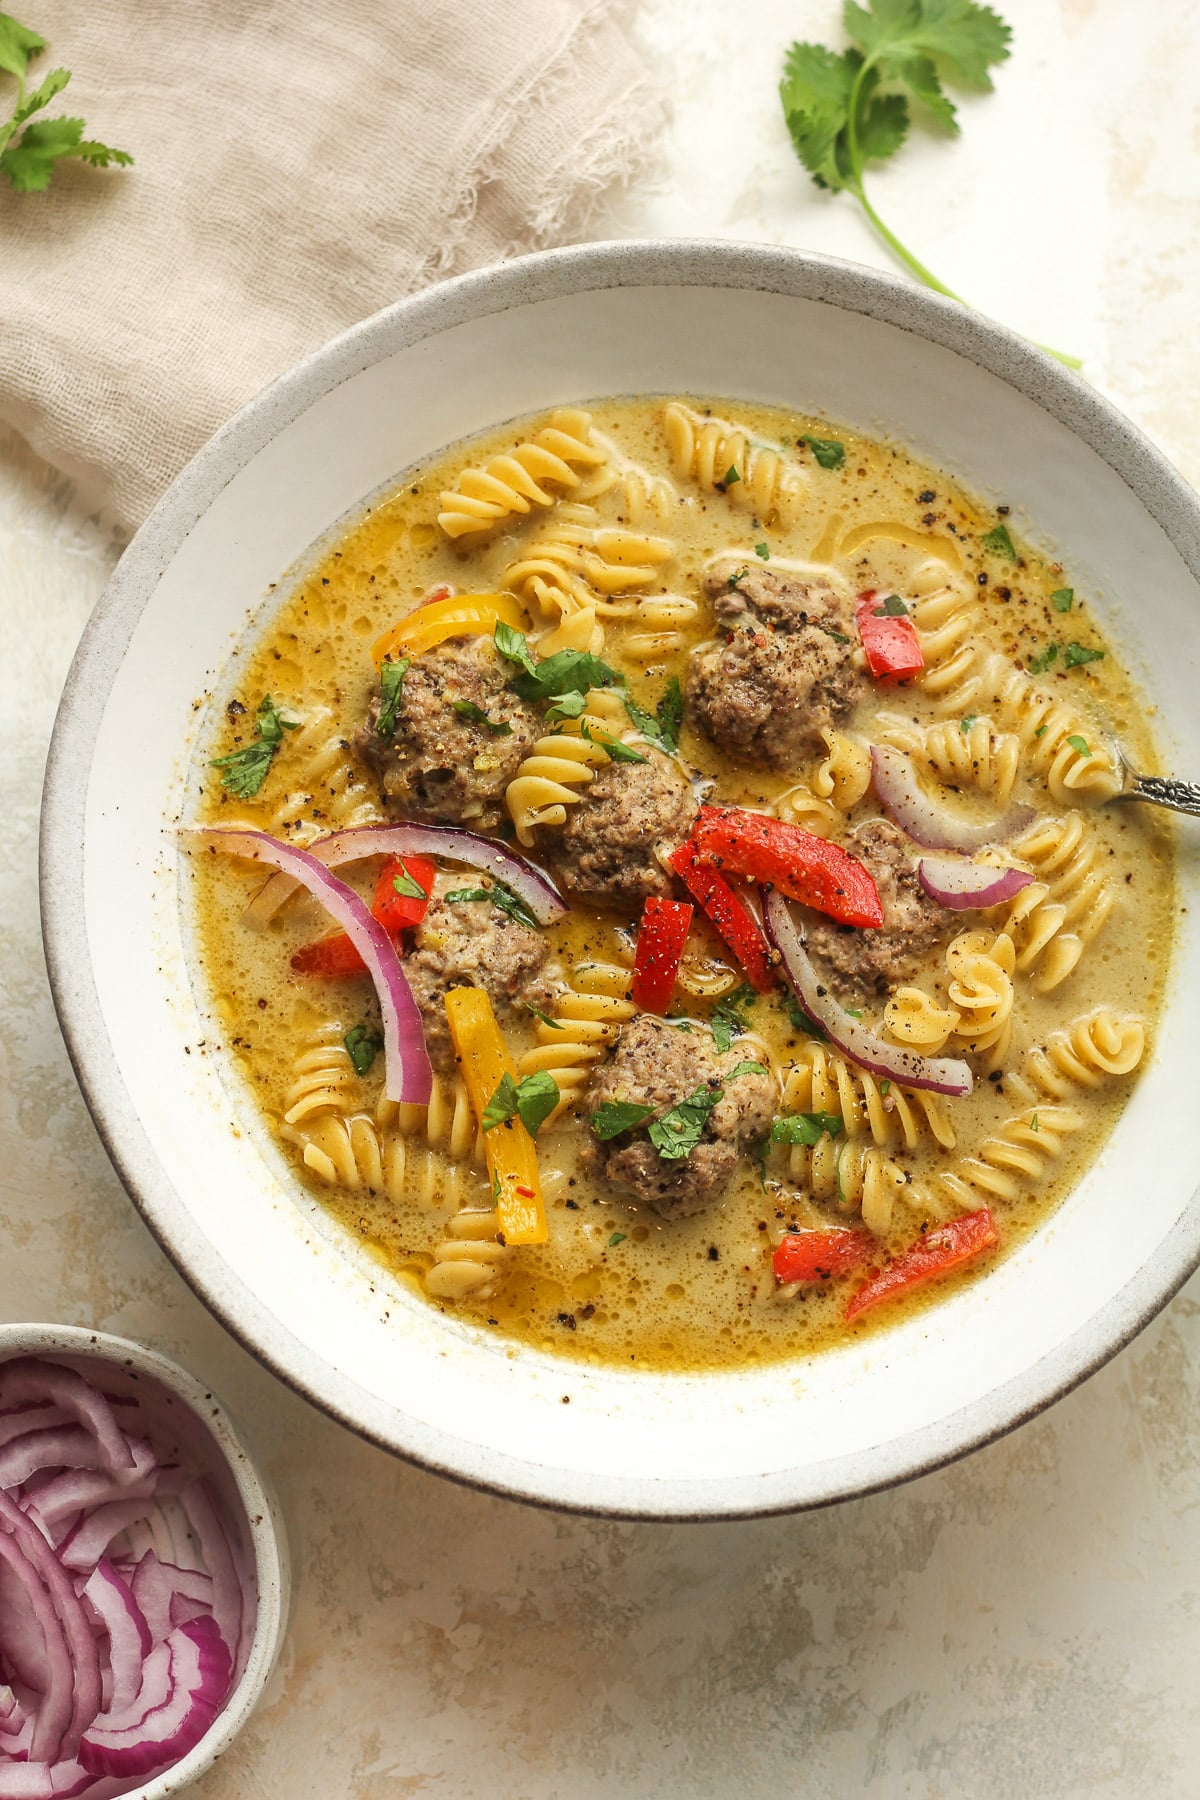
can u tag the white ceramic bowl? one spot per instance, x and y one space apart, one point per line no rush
166 1392
861 348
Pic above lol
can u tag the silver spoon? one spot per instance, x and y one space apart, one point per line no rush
1160 790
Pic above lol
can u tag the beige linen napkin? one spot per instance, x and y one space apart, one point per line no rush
299 164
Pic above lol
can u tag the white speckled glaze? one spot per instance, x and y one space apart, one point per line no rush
128 1367
769 324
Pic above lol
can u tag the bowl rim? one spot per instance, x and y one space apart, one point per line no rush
715 264
263 1523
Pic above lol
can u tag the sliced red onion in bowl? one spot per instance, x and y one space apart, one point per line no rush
408 838
409 1072
938 1074
964 886
28 1381
162 1726
927 821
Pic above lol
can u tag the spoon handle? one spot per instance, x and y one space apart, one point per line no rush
1164 790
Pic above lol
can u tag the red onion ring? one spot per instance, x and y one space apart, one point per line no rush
180 1697
28 1381
448 842
409 1072
939 1074
963 886
925 820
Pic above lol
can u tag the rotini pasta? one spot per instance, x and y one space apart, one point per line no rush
845 775
916 1020
523 478
890 1115
468 1260
980 966
447 1124
639 497
587 1017
562 766
359 1156
1053 919
959 753
1013 1159
851 1175
324 1078
720 456
1092 1049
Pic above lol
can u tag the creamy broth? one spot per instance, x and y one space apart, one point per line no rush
617 1283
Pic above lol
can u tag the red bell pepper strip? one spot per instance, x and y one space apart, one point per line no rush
335 957
820 1255
892 647
944 1249
798 863
735 922
661 937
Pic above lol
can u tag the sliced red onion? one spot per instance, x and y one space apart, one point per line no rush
216 1553
36 1450
939 1074
964 886
409 1072
28 1380
84 1702
157 1585
53 1496
54 1713
126 1628
81 1547
406 838
197 1677
44 1781
928 822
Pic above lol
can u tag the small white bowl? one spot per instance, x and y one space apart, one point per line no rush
864 349
164 1389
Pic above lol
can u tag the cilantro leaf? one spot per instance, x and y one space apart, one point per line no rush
566 706
998 541
1079 653
500 897
245 770
532 1099
1039 664
1063 599
729 1016
1079 744
676 1134
805 1128
543 1018
731 475
28 160
612 1117
391 695
513 646
407 884
892 608
362 1047
566 672
967 721
763 550
618 751
661 726
845 111
829 452
618 1237
467 709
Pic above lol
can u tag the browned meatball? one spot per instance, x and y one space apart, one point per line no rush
784 671
606 849
443 762
656 1064
471 943
873 961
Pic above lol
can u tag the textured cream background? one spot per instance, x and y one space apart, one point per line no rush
1025 1624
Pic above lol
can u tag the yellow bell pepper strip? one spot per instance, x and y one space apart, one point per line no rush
436 620
511 1158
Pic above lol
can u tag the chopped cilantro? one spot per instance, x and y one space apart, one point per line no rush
885 1087
839 637
1063 599
676 1134
731 584
543 1018
1033 1123
616 749
805 1128
391 686
532 1099
29 157
731 475
1040 732
763 550
729 1018
245 770
661 726
566 672
1079 744
565 706
828 451
406 884
500 897
893 608
799 1018
1079 653
362 1047
998 541
618 1237
612 1117
467 709
1039 664
967 721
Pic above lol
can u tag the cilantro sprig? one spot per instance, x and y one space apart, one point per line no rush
729 1016
31 149
846 110
676 1132
391 695
244 771
532 1100
805 1128
362 1047
553 677
662 726
500 897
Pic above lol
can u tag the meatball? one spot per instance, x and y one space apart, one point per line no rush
873 961
606 849
784 671
471 943
656 1064
444 761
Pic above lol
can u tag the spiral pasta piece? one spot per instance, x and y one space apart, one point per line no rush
522 478
587 1018
710 450
844 777
447 1124
578 561
916 1020
980 967
360 1156
468 1261
561 767
855 1176
638 496
324 1079
1014 1159
1093 1049
959 754
1056 916
822 1081
655 623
